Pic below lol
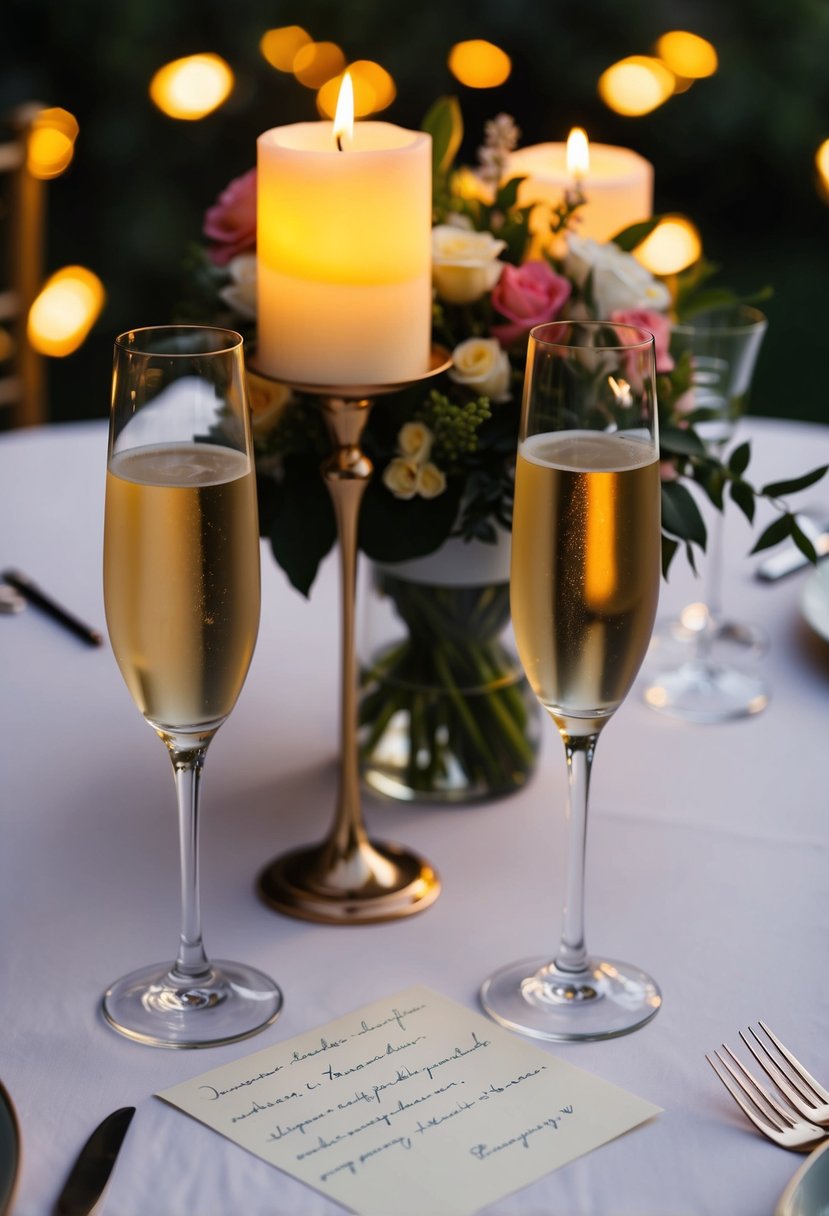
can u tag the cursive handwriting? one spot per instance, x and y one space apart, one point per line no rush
481 1151
212 1094
397 1015
391 1050
258 1107
298 1056
457 1054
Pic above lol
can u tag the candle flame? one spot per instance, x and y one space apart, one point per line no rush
578 154
344 115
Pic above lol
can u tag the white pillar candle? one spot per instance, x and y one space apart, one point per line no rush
343 254
618 185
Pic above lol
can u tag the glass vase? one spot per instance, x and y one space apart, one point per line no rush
446 715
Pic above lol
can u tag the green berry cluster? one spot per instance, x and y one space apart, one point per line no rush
455 427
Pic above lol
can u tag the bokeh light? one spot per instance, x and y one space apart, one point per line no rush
687 55
822 163
193 87
374 89
673 245
280 46
316 62
636 85
64 311
51 143
479 64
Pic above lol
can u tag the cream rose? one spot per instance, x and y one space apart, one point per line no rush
619 282
415 441
481 364
240 293
431 480
401 477
464 263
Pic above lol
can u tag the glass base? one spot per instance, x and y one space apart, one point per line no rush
721 635
706 692
162 1009
537 999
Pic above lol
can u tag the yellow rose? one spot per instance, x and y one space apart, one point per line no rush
415 441
431 480
464 263
481 364
401 477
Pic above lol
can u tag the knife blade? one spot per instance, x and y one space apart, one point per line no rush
90 1173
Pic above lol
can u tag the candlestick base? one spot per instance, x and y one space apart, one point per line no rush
349 879
379 882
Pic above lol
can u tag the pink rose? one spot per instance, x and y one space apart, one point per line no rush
528 295
654 322
231 222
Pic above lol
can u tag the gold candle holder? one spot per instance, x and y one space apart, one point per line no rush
348 878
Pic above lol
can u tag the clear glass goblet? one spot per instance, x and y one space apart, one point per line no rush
181 590
703 667
583 588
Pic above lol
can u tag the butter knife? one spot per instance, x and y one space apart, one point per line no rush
90 1173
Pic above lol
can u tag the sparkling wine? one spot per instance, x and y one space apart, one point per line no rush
585 569
181 579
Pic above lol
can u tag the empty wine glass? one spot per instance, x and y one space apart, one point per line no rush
583 588
181 589
703 666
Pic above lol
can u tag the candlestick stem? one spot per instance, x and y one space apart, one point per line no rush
348 878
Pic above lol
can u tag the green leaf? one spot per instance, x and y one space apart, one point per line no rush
669 548
774 489
394 529
803 543
635 234
680 514
681 442
743 495
301 526
774 533
738 461
507 195
445 125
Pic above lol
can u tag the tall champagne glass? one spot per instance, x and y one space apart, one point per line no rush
703 666
181 588
583 588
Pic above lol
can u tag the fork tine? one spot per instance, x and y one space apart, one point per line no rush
783 1076
760 1121
758 1095
814 1085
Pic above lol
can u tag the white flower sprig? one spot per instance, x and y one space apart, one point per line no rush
501 137
412 472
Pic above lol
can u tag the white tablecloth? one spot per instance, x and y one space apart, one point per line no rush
707 865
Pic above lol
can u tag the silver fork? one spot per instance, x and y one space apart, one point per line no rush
781 1125
803 1092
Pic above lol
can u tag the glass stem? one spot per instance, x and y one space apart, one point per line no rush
191 962
579 749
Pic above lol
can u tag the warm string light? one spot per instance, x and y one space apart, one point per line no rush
193 87
51 143
64 311
479 64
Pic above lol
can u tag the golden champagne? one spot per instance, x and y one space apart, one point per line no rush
181 579
585 569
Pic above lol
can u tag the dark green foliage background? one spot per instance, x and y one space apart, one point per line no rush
735 152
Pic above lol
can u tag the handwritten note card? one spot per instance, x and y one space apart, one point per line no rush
412 1104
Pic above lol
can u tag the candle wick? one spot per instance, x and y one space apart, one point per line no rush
339 143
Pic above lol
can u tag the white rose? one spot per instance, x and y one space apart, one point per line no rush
415 441
401 477
431 480
240 293
481 364
619 281
464 263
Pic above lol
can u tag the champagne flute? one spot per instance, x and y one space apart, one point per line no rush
703 669
181 590
583 587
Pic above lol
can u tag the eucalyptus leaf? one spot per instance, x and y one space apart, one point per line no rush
743 495
739 458
779 530
301 526
507 195
632 236
669 548
803 543
680 514
775 489
681 442
445 125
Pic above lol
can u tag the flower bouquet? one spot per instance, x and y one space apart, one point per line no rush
445 713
